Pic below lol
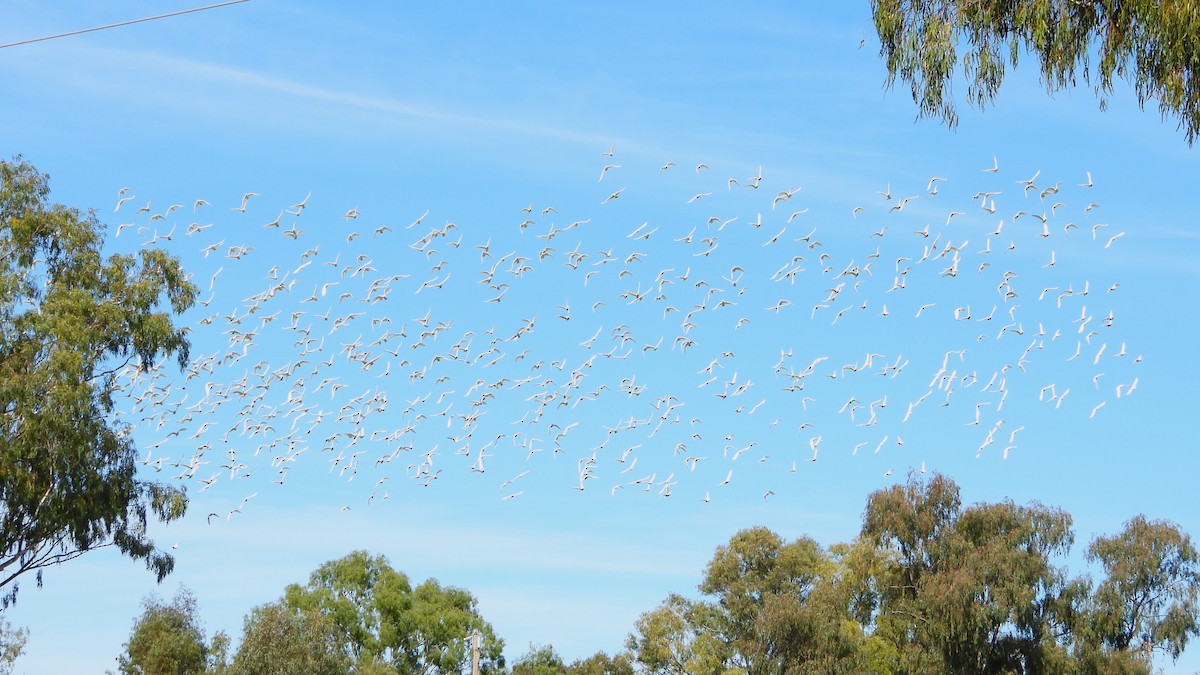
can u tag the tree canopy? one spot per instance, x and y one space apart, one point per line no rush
277 639
384 621
543 660
167 639
12 644
771 612
928 586
71 321
1152 44
1148 600
931 586
540 660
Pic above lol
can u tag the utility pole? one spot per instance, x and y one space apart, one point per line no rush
475 652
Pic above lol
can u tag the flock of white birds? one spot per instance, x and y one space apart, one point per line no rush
684 329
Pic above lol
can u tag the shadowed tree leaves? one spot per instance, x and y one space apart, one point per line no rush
70 322
1152 44
904 524
812 636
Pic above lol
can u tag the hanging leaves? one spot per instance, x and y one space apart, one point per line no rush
1152 44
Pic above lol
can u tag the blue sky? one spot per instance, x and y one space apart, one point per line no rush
494 116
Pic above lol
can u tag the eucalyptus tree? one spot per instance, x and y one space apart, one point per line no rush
386 624
770 606
998 601
1153 45
1149 599
167 639
678 638
539 660
601 663
12 645
769 593
281 639
543 660
905 524
72 323
932 586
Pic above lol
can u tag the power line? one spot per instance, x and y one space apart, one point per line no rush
123 23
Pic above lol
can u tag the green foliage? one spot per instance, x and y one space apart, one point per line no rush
903 524
443 618
166 639
908 520
1148 600
601 663
1150 43
363 596
383 621
279 640
12 644
218 654
994 599
931 587
775 610
539 660
543 660
971 590
763 587
928 587
70 321
676 638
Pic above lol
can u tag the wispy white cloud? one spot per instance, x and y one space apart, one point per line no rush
188 83
423 540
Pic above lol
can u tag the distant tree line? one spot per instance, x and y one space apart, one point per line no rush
355 615
932 587
929 586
